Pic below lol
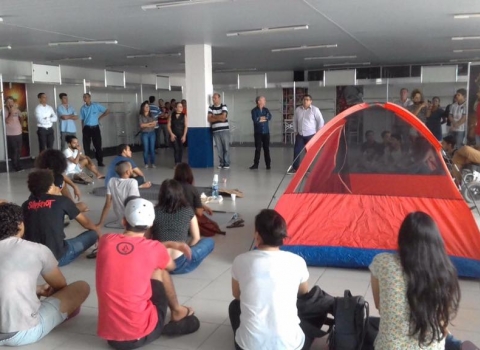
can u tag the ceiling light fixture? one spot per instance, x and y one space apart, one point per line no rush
73 59
1 19
84 42
465 59
305 47
459 38
347 64
269 30
466 50
330 58
8 47
466 15
235 70
176 3
213 63
126 66
156 55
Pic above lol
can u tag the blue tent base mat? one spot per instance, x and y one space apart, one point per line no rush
359 258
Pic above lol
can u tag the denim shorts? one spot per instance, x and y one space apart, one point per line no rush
49 318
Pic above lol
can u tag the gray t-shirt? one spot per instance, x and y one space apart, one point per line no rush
144 120
21 263
121 189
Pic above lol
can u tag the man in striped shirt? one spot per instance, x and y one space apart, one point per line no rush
217 117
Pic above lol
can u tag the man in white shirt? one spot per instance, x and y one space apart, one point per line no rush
76 161
45 116
306 122
458 116
118 190
405 101
266 283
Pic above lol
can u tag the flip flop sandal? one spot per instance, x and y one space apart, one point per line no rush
235 225
93 254
188 324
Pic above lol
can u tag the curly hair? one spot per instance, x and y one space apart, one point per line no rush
40 181
52 159
11 216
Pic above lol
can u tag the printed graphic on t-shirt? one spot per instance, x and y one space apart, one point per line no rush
35 205
125 248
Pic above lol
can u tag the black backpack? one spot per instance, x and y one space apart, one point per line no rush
351 316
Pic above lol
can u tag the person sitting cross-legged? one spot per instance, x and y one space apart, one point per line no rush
265 284
28 312
76 161
134 287
44 213
118 190
175 221
124 153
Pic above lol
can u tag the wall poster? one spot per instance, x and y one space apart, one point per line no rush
19 93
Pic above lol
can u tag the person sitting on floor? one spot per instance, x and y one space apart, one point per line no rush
118 190
265 284
76 162
134 287
416 290
28 312
174 220
370 148
460 157
55 161
44 213
124 153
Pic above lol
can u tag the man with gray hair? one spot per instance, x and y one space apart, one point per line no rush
260 117
217 117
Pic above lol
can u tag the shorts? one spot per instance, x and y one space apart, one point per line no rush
159 299
49 316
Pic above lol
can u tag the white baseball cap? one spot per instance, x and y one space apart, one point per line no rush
139 212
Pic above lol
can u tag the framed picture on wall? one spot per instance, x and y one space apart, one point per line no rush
18 92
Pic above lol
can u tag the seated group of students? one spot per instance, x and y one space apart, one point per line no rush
415 289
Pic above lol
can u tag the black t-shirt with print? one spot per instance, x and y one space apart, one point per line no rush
43 218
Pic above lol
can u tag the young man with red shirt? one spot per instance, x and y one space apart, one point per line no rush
134 287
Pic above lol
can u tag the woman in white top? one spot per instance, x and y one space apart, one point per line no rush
266 283
416 290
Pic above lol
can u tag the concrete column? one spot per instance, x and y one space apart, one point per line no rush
199 89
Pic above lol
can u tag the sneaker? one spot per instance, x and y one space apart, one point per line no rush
19 170
291 171
146 166
226 167
101 164
153 166
253 167
220 167
268 167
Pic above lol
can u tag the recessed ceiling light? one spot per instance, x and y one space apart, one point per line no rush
236 70
156 55
466 38
329 58
84 42
466 15
353 64
269 30
73 59
176 3
466 50
8 47
1 19
305 47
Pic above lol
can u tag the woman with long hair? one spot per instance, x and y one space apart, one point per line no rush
147 126
177 128
176 221
419 107
416 290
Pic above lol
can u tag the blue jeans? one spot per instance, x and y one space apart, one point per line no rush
459 136
148 141
300 143
76 246
50 317
199 252
222 142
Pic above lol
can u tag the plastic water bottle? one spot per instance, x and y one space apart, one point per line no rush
215 186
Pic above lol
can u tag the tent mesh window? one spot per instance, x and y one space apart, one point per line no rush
392 158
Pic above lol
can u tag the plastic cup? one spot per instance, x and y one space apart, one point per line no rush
234 197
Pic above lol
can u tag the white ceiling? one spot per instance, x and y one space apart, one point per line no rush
376 31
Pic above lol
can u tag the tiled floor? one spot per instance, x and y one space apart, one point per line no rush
208 288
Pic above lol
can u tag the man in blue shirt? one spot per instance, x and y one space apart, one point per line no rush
124 153
91 113
67 115
155 113
261 116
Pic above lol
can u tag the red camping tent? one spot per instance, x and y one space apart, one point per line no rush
343 206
